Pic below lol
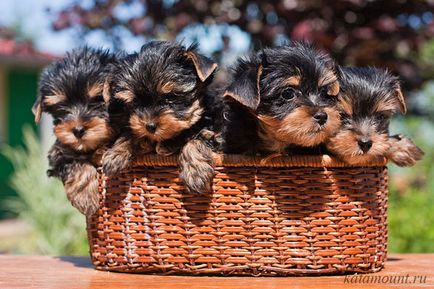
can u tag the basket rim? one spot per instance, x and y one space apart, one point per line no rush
234 160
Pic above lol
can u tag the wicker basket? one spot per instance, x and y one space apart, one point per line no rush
292 216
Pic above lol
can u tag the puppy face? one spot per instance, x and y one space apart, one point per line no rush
367 100
160 89
292 91
74 91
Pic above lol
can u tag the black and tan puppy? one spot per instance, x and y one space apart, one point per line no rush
280 98
74 90
367 100
160 103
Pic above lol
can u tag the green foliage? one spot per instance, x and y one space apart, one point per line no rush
426 58
56 227
411 221
411 210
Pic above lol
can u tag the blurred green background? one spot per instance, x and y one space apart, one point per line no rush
35 217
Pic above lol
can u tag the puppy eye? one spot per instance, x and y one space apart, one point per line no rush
345 118
97 99
382 116
323 91
56 121
344 115
170 97
290 93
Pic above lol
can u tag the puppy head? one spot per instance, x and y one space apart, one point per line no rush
292 91
161 89
74 90
367 100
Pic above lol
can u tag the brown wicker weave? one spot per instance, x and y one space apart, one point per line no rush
289 216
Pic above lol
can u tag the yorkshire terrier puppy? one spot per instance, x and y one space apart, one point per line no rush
280 98
74 90
160 103
367 100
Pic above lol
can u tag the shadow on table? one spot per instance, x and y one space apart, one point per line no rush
81 262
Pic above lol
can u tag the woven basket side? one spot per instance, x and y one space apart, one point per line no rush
229 160
257 221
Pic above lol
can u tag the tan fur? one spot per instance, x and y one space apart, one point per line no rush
197 166
168 125
106 91
37 111
95 90
163 150
344 145
50 100
297 128
393 102
401 100
327 78
125 95
203 75
165 87
292 81
403 151
258 80
81 188
333 88
97 156
146 147
97 132
119 157
345 104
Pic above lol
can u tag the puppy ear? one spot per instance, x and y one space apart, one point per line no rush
37 109
398 95
204 66
245 87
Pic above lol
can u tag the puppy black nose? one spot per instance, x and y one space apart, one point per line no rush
151 127
78 131
320 117
365 144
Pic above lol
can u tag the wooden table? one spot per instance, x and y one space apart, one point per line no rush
76 272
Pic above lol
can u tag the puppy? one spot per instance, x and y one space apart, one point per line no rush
74 90
280 98
367 100
160 103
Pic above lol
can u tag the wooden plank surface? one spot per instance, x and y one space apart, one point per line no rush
76 272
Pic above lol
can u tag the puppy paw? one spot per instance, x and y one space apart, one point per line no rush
81 188
197 166
117 158
403 152
114 162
